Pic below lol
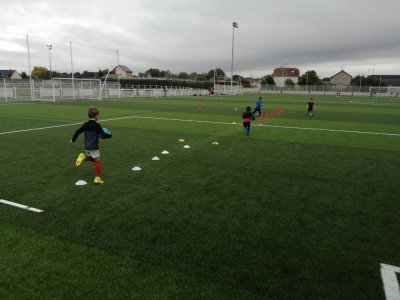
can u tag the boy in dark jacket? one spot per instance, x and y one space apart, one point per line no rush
92 130
247 117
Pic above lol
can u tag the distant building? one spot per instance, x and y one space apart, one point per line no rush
341 78
280 75
122 71
10 74
390 80
144 75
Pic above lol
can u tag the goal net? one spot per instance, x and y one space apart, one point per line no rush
69 88
50 69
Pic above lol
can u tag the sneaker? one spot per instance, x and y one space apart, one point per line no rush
98 180
80 159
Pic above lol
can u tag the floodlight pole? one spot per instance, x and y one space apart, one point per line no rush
234 25
30 70
49 48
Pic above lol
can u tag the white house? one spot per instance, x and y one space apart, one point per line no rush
281 74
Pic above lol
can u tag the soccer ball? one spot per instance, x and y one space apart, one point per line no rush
105 130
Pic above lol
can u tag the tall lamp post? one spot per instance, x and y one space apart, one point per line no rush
49 48
234 25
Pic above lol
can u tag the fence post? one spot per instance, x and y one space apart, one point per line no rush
5 89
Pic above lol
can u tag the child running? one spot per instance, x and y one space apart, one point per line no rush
258 107
247 117
310 108
91 129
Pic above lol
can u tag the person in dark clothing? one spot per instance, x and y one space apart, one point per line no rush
91 130
247 117
310 108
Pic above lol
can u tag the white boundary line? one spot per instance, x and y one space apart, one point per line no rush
209 122
36 210
390 282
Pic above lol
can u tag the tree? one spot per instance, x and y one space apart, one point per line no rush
183 75
23 75
289 82
268 79
193 76
87 74
154 72
309 78
101 73
40 72
218 73
202 77
166 74
371 80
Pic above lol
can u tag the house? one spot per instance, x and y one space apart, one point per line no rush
123 71
10 74
341 79
281 74
144 75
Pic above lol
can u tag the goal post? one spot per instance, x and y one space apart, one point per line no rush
72 89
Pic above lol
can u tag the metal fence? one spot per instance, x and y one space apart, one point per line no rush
333 90
83 89
80 89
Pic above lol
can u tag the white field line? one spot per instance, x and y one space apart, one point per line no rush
390 282
208 122
36 210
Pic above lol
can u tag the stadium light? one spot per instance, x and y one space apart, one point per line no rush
234 25
49 47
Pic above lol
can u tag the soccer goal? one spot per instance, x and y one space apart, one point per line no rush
67 89
385 90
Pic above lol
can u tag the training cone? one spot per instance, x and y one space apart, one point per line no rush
81 182
155 158
181 140
215 143
165 152
186 146
137 168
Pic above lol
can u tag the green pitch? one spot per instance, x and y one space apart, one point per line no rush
303 208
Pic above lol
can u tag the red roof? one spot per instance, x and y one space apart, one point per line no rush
286 72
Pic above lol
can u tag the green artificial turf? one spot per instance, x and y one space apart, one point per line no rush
296 210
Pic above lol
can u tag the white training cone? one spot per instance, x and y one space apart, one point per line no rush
186 146
81 182
165 152
155 158
137 168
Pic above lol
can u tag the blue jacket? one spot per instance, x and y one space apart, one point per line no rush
259 103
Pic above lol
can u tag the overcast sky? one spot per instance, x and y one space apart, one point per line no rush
359 36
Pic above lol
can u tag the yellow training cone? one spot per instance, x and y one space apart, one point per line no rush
181 140
215 143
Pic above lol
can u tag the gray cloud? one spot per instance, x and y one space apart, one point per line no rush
196 36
